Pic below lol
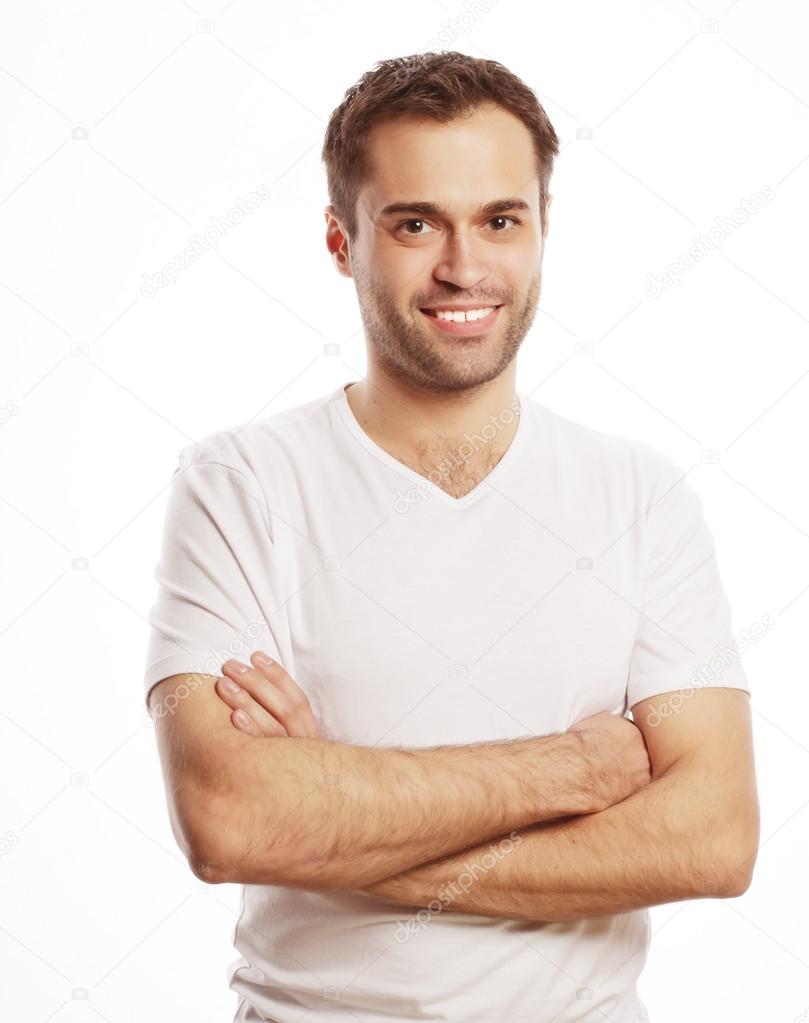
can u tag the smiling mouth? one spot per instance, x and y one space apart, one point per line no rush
456 325
461 316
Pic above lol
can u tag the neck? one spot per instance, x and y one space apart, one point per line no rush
414 419
459 435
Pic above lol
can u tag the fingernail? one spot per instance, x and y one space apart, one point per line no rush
231 686
263 658
238 666
242 718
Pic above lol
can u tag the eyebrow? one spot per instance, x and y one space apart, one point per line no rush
431 209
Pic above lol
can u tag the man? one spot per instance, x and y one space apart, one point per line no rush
431 791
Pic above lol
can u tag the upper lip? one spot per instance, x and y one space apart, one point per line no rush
462 307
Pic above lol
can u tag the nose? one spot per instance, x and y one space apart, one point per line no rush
458 264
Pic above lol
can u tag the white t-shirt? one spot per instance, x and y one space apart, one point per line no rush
578 576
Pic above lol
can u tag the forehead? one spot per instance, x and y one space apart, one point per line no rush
458 164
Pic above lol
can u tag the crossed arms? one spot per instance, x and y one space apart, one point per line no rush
596 820
691 832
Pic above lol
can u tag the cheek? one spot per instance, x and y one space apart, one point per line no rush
404 267
519 261
518 275
401 276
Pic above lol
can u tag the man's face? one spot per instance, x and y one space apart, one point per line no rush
406 260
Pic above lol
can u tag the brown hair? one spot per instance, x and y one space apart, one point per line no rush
440 86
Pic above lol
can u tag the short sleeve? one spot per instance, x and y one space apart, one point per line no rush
214 581
684 638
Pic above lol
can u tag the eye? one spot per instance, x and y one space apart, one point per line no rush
515 221
412 233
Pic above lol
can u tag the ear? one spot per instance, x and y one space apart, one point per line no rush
548 201
337 242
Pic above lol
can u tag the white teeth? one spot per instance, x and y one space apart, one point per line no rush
459 316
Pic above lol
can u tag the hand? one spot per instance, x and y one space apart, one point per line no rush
616 755
274 703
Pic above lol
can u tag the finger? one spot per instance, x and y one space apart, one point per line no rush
261 689
299 714
280 677
264 723
245 723
258 721
242 720
266 685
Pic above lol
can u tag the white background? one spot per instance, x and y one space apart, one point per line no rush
125 128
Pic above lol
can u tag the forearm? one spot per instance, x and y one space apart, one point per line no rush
661 844
328 815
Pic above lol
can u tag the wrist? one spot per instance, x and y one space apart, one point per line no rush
403 889
572 791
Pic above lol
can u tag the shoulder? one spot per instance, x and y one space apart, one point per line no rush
250 446
611 458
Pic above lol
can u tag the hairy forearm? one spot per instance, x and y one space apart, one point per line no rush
329 815
664 843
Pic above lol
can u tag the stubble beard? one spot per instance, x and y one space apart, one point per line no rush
411 350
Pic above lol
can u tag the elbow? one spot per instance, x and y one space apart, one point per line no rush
204 853
226 840
229 829
222 849
738 871
737 858
206 869
735 882
205 827
211 852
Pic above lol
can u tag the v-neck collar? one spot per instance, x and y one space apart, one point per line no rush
485 485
